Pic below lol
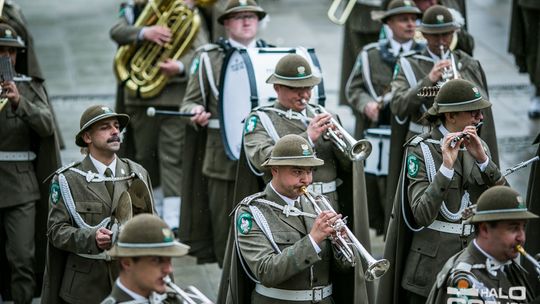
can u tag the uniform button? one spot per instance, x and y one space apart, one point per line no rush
306 261
87 209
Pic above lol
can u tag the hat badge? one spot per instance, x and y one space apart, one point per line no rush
521 204
476 92
242 2
407 3
301 71
9 34
106 110
167 235
440 18
305 150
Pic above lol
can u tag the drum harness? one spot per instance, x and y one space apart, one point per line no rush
317 187
69 202
317 293
431 170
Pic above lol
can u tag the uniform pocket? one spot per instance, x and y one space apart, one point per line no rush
89 207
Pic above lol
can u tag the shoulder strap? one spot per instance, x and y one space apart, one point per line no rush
407 70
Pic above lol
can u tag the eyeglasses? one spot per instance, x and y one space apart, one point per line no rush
244 17
475 113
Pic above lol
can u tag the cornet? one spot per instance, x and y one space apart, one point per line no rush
346 246
532 260
356 150
447 74
191 296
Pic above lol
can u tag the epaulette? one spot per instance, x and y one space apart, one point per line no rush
61 169
262 107
247 200
414 141
207 47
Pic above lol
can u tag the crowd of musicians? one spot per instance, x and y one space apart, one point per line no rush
286 209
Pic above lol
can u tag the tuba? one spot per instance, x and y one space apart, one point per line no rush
137 65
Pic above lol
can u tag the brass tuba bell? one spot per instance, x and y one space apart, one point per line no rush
138 65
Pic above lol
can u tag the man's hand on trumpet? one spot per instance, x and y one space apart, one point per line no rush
323 226
438 70
318 126
10 91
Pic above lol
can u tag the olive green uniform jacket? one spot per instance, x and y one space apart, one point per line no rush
297 266
120 296
74 272
28 128
408 108
416 251
472 261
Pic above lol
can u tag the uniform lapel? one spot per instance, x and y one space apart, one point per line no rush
308 208
293 221
291 123
98 189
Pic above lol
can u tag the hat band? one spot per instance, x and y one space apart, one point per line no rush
459 103
403 10
145 245
93 120
293 78
501 211
18 40
427 25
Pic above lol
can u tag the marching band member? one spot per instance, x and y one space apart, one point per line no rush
444 171
429 68
157 142
144 251
83 195
487 271
282 241
241 22
369 96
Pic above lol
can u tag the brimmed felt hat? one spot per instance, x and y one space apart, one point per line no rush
293 150
94 114
398 7
236 6
147 235
295 71
437 20
458 95
8 37
500 203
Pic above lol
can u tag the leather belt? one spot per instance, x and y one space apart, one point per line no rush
323 188
314 295
461 229
17 156
213 124
416 128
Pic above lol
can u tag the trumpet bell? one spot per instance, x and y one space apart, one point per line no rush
377 270
361 149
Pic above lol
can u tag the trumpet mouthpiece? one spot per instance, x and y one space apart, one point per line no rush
520 249
151 112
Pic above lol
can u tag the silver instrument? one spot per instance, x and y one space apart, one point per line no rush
456 139
190 296
532 260
356 150
347 245
448 73
521 165
152 112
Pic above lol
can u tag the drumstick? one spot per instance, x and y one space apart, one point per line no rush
151 112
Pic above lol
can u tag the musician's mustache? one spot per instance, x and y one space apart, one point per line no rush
113 139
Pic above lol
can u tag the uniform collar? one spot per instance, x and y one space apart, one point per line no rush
101 167
492 264
238 45
131 293
396 46
435 56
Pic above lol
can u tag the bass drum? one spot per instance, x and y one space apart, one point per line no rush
243 87
378 160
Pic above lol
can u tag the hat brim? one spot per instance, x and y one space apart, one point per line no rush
525 215
176 250
435 110
257 10
300 83
123 120
296 162
438 30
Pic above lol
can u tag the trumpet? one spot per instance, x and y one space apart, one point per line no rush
532 260
456 139
356 150
448 73
191 296
346 246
